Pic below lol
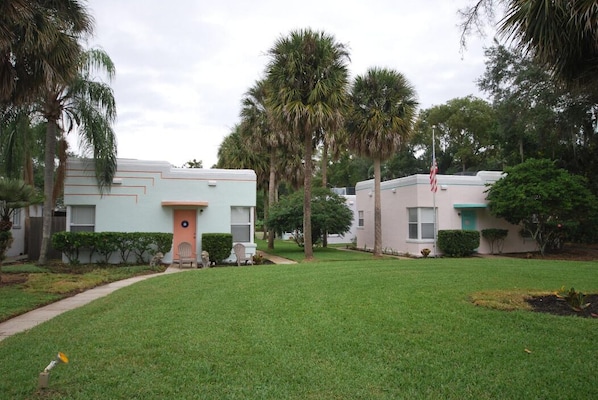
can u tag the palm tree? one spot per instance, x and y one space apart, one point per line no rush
381 118
38 42
309 78
264 136
87 106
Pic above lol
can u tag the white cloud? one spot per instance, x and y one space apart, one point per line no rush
183 66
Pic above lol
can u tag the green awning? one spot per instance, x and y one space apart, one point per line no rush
470 205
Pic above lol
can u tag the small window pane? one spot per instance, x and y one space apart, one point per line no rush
412 214
427 215
75 228
83 215
427 231
239 215
240 233
412 231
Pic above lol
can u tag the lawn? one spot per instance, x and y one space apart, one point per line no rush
26 287
352 329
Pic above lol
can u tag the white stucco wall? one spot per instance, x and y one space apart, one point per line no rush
398 195
351 201
135 201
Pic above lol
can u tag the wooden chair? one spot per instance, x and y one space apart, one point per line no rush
186 254
242 256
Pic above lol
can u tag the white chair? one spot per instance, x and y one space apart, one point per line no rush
186 254
242 256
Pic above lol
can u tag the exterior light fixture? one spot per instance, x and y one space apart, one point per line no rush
44 377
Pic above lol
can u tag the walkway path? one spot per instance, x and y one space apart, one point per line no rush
35 317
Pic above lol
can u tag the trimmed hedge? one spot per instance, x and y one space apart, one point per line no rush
143 244
219 245
458 243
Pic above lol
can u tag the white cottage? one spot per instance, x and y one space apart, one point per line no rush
154 196
408 224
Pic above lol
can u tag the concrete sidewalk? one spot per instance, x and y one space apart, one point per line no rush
35 317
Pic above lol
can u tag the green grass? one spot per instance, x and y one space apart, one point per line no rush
375 329
46 285
290 250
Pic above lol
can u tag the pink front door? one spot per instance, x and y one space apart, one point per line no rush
184 229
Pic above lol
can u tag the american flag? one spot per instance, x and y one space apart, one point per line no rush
433 180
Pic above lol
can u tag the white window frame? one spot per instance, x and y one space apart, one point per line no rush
82 218
421 219
360 219
16 218
237 223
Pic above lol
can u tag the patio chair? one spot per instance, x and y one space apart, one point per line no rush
186 254
242 256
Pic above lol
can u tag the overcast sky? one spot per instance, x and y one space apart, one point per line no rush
182 66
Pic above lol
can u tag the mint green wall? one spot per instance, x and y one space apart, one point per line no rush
134 203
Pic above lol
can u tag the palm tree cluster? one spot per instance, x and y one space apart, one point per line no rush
47 79
306 101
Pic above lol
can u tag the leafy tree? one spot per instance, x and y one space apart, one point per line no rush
381 118
538 118
463 134
545 199
88 106
193 164
309 77
329 214
348 170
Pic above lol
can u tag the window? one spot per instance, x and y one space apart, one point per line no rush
83 218
360 221
240 224
421 223
16 219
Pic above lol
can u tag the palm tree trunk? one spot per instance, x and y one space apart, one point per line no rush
307 242
377 210
324 184
50 153
271 193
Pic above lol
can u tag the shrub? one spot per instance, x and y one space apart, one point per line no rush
219 245
142 244
106 244
458 243
5 243
496 237
575 300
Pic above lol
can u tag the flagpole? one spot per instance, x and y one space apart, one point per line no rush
434 165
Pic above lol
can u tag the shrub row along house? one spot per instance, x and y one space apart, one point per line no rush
408 220
153 196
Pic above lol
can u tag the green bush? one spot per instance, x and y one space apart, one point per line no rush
142 244
219 245
458 243
106 244
495 237
69 244
5 243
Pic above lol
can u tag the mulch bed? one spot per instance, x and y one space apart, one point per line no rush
553 305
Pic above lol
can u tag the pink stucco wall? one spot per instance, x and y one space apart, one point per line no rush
454 191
